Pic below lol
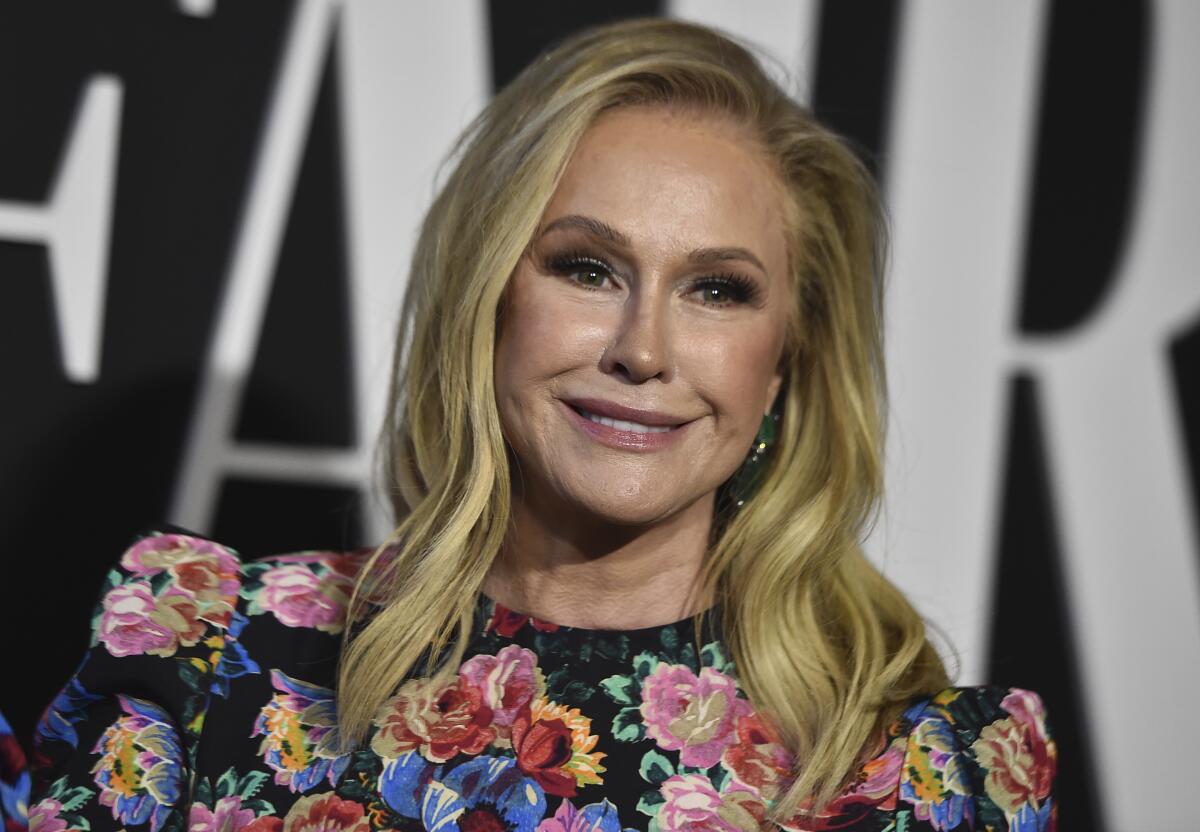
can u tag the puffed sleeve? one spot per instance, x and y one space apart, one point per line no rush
117 747
979 758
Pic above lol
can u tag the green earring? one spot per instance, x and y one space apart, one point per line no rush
746 479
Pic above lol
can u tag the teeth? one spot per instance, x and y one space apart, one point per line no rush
621 424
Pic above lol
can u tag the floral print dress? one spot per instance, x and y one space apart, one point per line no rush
205 703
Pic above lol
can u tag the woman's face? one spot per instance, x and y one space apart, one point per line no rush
642 331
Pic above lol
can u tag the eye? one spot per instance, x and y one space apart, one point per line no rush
585 270
725 290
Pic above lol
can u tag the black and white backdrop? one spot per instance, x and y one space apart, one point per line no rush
206 209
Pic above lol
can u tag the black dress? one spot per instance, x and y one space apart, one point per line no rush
206 702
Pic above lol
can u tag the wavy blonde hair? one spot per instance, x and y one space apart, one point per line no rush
825 647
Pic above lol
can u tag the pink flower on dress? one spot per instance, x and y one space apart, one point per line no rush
44 816
298 598
206 571
163 552
694 805
509 681
693 715
1027 708
1019 757
595 817
227 816
135 622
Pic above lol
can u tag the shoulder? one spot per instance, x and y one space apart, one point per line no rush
180 615
979 757
188 640
171 585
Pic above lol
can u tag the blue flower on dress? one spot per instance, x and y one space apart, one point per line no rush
299 731
480 790
140 770
68 709
14 781
234 661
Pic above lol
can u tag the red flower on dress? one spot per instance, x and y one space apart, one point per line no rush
506 623
875 787
267 823
326 813
439 722
757 758
543 750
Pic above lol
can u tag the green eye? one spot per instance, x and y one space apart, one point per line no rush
725 290
591 277
588 272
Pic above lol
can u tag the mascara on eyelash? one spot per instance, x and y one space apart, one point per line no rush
742 289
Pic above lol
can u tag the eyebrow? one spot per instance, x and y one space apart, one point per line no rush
702 256
591 225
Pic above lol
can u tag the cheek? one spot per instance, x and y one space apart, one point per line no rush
733 369
543 338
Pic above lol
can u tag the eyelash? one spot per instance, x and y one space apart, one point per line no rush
741 289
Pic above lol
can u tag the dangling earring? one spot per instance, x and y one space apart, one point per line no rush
745 480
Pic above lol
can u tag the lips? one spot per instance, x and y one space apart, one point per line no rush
620 413
621 424
625 428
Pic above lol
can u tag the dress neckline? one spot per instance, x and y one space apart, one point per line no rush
506 621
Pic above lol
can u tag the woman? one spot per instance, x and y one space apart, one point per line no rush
642 407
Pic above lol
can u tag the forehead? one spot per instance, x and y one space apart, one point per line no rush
669 179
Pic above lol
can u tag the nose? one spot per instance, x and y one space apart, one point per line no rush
639 349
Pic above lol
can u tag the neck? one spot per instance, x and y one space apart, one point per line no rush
583 571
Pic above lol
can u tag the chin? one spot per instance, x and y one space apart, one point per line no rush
629 504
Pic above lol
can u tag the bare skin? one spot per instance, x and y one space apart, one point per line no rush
657 281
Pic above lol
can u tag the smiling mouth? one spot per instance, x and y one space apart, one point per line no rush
621 424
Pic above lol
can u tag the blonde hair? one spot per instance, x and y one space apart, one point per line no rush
825 647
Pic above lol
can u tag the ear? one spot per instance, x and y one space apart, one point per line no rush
772 391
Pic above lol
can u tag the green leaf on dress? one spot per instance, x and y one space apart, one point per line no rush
613 649
650 802
656 767
259 807
191 675
669 638
620 689
628 725
226 784
711 655
577 693
644 664
250 785
71 797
